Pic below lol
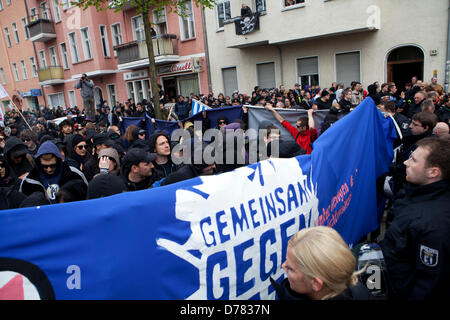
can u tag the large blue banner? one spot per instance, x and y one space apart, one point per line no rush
212 237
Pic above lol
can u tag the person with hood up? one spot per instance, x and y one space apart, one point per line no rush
20 162
159 143
50 173
77 151
6 180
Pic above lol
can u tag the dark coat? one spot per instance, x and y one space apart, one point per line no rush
416 247
13 144
356 292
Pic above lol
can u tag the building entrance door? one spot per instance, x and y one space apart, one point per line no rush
170 87
404 63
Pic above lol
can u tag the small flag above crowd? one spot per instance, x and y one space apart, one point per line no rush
198 106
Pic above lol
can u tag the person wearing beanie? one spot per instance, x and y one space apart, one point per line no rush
104 185
75 190
109 162
77 153
50 173
100 141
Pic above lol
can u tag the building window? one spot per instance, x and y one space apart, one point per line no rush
16 72
8 2
188 84
72 98
33 14
74 47
229 77
266 75
24 70
56 11
7 36
2 76
137 25
66 4
116 33
147 89
86 42
53 57
42 59
290 3
260 5
348 68
105 42
57 99
187 22
33 67
308 71
223 13
44 11
65 59
1 5
159 18
130 90
15 32
25 29
111 89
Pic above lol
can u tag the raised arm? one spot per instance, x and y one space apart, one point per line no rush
311 123
270 107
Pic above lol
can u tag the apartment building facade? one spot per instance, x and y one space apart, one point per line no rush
317 42
61 42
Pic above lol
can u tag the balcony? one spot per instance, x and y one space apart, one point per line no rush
134 55
51 76
41 30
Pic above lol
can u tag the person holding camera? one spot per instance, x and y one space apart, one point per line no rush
87 93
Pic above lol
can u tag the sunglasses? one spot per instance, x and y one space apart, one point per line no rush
49 166
26 140
82 147
222 122
2 139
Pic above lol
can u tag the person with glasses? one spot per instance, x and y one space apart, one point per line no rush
50 173
305 132
29 138
77 151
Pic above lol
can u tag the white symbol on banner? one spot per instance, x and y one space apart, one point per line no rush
240 223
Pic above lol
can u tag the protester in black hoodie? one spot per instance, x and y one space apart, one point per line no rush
320 266
17 157
77 152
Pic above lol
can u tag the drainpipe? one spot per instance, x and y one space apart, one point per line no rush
35 56
281 65
447 62
205 37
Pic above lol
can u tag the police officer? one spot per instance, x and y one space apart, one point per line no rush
417 243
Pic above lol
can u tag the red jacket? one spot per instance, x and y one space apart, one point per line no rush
304 138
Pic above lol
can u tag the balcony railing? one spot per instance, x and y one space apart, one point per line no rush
135 51
51 75
41 29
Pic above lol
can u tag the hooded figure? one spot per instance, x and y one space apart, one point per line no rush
50 173
17 157
6 180
77 153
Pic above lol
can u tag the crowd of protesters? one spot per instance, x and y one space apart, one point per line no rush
44 162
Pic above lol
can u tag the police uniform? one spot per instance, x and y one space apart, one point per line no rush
416 247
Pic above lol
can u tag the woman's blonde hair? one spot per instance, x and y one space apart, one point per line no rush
321 252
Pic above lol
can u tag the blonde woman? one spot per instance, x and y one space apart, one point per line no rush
320 266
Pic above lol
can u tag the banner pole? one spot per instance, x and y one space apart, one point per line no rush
21 115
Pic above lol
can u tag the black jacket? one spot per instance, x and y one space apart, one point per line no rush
356 292
186 172
345 105
416 247
27 164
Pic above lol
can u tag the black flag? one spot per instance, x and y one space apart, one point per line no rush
247 24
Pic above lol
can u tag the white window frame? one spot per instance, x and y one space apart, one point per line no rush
64 55
284 7
59 95
15 71
24 69
15 32
2 76
112 101
44 10
54 61
66 4
160 20
138 32
8 2
181 20
56 10
33 67
344 52
7 37
105 41
43 59
33 14
25 29
1 5
274 71
73 47
298 73
222 3
72 98
264 5
86 43
116 37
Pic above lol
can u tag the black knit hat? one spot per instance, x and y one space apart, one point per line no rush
104 185
76 140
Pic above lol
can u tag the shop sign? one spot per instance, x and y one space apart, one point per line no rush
135 74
